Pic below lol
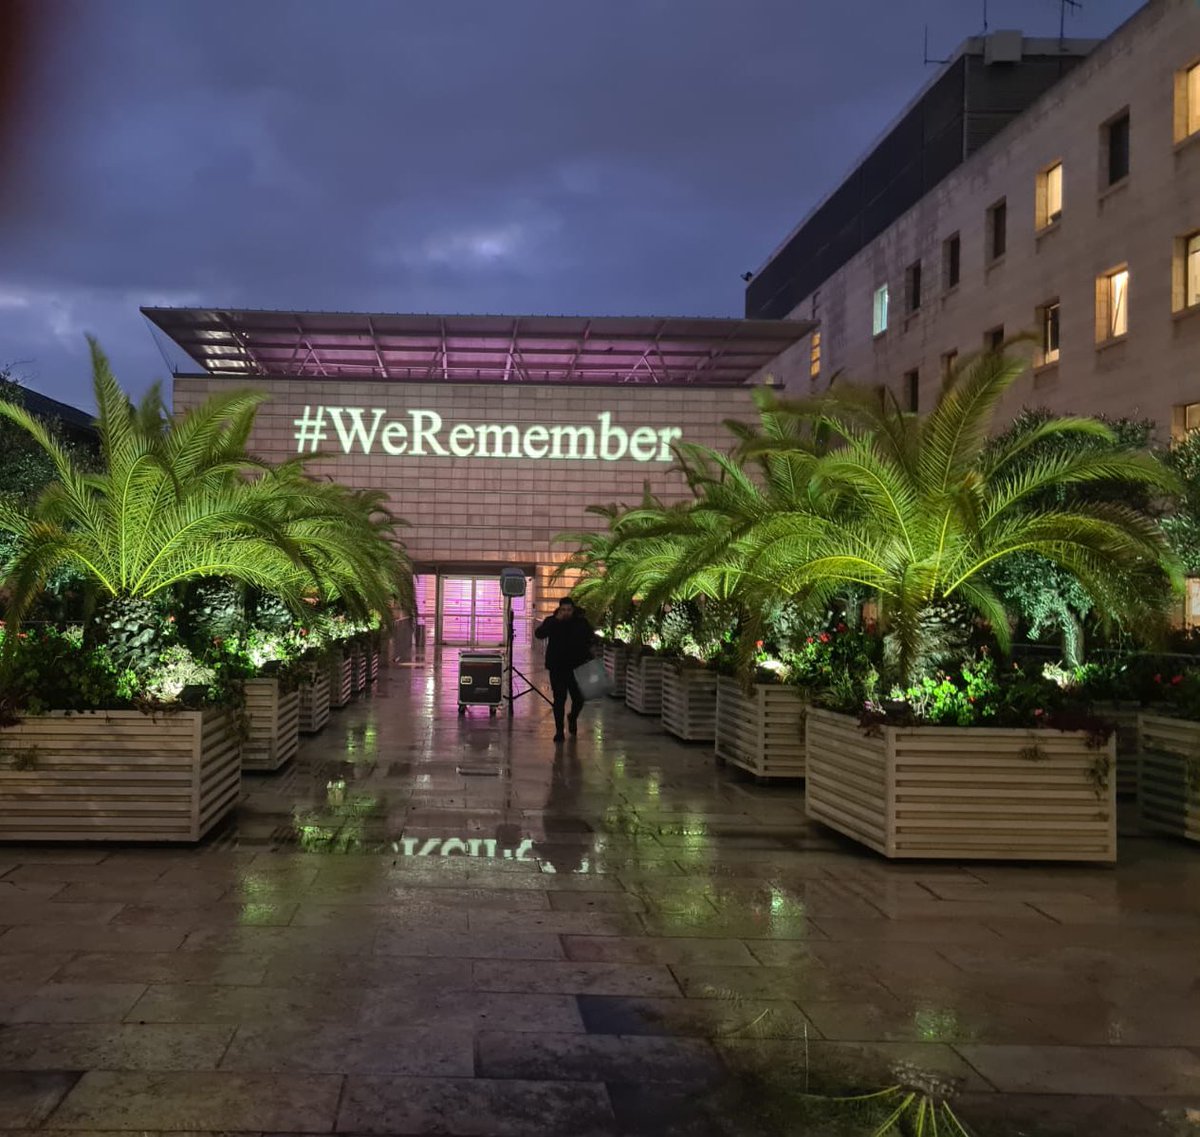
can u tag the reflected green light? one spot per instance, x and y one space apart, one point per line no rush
253 913
936 1024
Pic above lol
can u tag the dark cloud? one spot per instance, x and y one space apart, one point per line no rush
629 156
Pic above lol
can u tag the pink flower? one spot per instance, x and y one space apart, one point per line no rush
1038 712
809 640
758 644
1176 680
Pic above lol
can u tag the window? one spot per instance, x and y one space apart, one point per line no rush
1187 102
951 254
993 338
814 356
1050 195
997 230
912 286
1048 320
912 390
1186 284
949 363
879 317
1112 305
1116 147
1191 417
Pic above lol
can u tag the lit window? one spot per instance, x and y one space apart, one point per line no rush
814 356
997 230
1193 98
1191 417
912 280
1050 195
912 390
1191 271
1116 144
1049 321
951 258
879 318
1112 305
949 363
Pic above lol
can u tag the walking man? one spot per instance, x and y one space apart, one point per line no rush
569 638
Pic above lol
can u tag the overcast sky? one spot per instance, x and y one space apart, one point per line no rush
511 156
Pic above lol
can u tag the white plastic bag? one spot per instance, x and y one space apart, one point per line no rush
592 679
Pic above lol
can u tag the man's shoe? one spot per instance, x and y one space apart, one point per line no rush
558 736
573 724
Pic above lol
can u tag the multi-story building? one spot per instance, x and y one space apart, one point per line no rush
1034 186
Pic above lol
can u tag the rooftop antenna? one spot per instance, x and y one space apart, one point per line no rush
928 59
1063 5
985 22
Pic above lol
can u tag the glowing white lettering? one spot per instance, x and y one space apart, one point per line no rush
423 434
397 431
462 440
496 433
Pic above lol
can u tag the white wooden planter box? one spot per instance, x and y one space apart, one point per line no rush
358 669
1169 783
274 725
372 666
963 793
689 702
314 703
763 731
118 775
643 684
616 664
341 678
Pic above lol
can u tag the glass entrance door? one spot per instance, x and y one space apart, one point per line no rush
473 611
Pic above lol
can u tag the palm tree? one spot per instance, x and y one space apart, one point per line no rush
850 491
181 500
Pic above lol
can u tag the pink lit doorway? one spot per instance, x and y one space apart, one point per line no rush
465 609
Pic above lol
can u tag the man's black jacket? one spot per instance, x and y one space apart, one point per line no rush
568 642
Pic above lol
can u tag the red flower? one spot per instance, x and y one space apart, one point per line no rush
1176 680
758 644
1038 712
970 698
824 637
809 640
842 628
1158 679
170 619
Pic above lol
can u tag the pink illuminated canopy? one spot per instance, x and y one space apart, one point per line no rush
518 349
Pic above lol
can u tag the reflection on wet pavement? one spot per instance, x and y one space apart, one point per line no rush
430 923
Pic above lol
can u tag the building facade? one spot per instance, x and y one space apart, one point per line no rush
491 435
1076 222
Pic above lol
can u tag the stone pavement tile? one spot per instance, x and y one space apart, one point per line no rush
164 967
666 1110
433 899
815 983
14 889
32 910
934 931
595 902
695 1018
28 1098
604 1057
656 949
347 939
546 881
470 945
30 967
1122 1070
475 1108
400 916
404 972
466 1010
201 1101
204 1003
1126 916
856 1066
967 911
152 892
441 1051
76 1003
888 962
575 978
100 938
47 866
722 925
251 913
1056 1115
112 1047
493 922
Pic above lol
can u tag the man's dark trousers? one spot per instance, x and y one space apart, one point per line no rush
562 684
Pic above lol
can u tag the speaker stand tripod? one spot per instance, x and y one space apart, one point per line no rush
511 669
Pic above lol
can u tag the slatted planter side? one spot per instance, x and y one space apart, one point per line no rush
616 663
763 731
643 685
341 678
689 703
118 775
964 793
1169 777
358 669
372 666
274 725
314 702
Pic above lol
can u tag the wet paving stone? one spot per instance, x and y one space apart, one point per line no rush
625 941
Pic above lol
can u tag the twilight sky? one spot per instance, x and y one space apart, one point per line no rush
512 156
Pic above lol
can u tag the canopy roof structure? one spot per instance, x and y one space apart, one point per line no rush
518 349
